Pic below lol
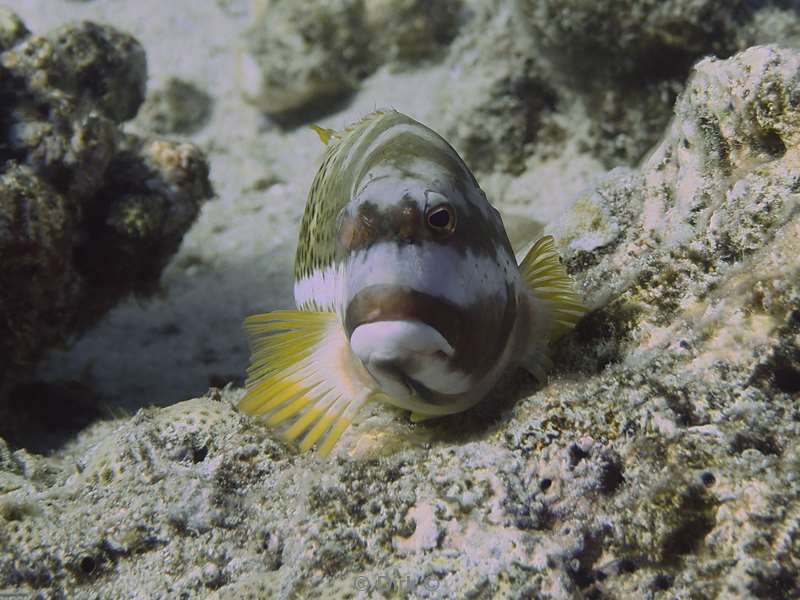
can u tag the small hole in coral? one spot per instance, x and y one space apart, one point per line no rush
787 379
626 565
611 476
662 583
199 454
88 565
576 455
774 144
594 594
708 479
545 484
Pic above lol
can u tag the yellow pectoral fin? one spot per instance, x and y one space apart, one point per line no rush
549 281
302 370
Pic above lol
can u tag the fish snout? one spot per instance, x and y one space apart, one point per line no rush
406 338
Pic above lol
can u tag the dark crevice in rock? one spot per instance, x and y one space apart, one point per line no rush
43 416
611 474
748 439
581 564
782 368
697 513
779 584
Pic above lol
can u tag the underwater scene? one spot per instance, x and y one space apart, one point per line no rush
361 299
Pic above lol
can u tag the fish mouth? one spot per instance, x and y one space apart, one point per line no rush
405 339
403 303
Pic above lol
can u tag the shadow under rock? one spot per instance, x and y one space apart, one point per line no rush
600 339
43 416
164 350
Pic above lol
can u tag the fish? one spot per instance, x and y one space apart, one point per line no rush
406 287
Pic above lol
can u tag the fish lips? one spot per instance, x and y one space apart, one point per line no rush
403 303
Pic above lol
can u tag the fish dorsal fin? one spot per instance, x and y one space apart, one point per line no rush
324 133
301 368
548 280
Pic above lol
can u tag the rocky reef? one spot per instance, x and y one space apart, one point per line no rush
661 457
180 107
604 75
302 57
88 213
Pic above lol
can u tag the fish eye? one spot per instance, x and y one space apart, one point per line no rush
441 218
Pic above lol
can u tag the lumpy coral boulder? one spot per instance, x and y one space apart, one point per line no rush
88 214
179 107
526 79
306 57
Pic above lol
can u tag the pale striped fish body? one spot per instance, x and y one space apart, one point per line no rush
407 289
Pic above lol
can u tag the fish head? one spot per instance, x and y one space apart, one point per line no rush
429 287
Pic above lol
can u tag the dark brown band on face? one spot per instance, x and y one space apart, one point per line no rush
402 303
478 333
491 321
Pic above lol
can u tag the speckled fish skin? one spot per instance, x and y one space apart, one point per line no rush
367 253
407 290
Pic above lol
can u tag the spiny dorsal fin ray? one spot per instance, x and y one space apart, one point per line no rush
324 133
301 368
548 279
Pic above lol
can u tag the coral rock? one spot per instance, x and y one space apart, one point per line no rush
88 214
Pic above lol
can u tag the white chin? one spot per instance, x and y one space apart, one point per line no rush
391 350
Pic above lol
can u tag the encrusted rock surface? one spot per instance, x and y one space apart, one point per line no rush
530 75
88 214
179 107
660 460
310 56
